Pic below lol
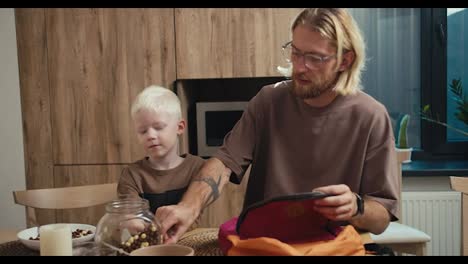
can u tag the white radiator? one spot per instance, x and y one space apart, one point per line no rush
438 214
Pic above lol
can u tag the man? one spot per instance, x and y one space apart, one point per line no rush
318 132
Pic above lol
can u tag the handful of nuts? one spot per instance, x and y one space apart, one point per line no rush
148 237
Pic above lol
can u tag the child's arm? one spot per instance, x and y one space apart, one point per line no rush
127 187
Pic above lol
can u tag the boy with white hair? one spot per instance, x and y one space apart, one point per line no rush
163 175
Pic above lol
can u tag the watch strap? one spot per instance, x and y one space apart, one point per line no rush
360 205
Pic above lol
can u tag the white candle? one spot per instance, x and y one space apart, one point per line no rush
56 240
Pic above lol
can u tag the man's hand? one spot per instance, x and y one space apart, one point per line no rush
174 220
340 206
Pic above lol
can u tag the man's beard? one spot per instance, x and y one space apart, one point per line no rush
316 88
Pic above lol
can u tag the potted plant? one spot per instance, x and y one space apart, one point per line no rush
401 138
462 108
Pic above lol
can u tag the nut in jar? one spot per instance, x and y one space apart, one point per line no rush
128 225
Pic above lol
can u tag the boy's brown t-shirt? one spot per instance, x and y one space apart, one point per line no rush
160 187
295 148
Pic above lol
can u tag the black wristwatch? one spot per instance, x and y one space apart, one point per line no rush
360 205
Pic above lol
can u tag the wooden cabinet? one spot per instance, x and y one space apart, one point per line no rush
231 42
35 100
81 68
79 72
99 60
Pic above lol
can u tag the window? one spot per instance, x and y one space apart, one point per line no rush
443 59
393 66
413 55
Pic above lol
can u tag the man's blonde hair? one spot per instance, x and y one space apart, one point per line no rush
158 99
337 25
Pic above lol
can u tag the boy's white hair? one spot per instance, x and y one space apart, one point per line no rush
158 99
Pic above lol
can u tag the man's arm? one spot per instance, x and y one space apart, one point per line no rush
375 218
205 188
207 185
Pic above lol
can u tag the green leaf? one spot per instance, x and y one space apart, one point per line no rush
426 108
461 106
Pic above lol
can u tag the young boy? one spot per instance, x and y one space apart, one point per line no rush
162 176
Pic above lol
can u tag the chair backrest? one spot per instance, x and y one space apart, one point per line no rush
460 184
64 198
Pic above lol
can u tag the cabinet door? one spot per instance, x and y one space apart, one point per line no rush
231 42
35 100
98 60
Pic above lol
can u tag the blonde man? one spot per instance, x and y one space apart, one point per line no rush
162 176
317 131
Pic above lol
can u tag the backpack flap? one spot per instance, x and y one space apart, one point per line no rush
289 218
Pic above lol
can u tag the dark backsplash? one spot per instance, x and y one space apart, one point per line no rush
216 90
224 89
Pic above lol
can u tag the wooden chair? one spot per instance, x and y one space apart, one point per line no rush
64 198
460 184
399 237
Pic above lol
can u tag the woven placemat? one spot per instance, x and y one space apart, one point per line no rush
204 241
16 248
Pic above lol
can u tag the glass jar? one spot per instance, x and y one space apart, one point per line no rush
128 225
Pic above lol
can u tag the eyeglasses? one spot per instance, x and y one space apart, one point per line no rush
311 61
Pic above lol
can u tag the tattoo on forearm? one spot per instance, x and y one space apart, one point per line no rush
214 189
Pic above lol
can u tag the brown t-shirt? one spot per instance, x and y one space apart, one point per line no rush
160 187
294 147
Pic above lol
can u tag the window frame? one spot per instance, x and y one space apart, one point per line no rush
434 143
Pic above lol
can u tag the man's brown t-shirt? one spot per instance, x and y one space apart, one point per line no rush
294 147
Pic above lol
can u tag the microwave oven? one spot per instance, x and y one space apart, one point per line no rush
214 121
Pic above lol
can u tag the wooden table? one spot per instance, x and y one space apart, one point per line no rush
204 241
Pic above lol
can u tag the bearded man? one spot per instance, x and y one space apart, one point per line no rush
316 132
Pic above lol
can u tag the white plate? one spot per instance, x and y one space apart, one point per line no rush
24 235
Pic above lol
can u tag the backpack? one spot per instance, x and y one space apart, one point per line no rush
288 226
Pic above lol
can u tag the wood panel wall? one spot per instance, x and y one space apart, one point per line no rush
35 100
231 42
79 72
101 59
81 68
